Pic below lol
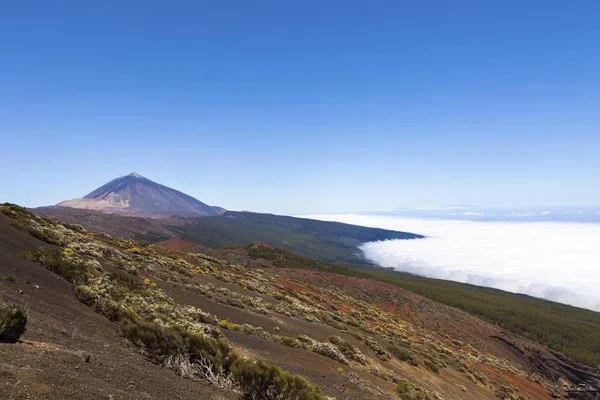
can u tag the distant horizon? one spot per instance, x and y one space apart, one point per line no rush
418 208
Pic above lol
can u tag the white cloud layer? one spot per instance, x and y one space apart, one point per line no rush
558 261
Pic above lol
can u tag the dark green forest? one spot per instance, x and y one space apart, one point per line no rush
333 242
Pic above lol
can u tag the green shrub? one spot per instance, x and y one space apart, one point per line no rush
432 366
287 341
260 381
257 380
155 338
230 326
127 280
13 319
75 227
216 351
109 308
379 350
12 278
53 260
403 354
410 391
85 295
47 235
347 349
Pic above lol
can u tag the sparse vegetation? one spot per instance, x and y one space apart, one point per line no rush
348 349
403 354
264 382
432 366
122 285
256 379
13 319
410 391
225 324
159 341
12 278
53 260
571 330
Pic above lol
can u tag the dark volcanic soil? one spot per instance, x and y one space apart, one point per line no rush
50 361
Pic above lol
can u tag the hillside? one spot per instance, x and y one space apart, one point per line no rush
135 195
270 325
567 329
328 241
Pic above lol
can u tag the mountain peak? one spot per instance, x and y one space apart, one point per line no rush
141 197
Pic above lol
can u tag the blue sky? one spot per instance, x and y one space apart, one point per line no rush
298 107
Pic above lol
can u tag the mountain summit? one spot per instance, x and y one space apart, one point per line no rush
135 195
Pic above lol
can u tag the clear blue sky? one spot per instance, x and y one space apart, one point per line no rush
305 106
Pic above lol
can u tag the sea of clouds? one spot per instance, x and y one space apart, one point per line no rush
558 261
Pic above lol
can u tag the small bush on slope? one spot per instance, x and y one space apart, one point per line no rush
265 382
410 391
403 354
53 260
256 379
13 319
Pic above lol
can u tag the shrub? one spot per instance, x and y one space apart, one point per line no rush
260 381
127 280
86 295
403 354
53 260
10 213
347 349
13 319
257 380
378 349
48 235
75 227
154 338
12 278
215 353
109 308
230 326
329 350
410 391
287 341
340 371
431 366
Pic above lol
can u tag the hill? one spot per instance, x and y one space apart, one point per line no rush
269 325
328 241
567 329
135 195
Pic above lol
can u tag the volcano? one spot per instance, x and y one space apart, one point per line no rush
134 195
